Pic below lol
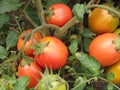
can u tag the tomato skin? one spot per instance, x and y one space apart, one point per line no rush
62 14
55 54
115 68
54 84
32 71
104 50
29 43
101 21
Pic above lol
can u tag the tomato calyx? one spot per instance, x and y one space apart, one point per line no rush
26 61
39 47
117 43
50 81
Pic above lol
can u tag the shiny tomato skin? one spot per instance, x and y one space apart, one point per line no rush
104 50
101 21
29 43
32 71
61 14
115 69
55 54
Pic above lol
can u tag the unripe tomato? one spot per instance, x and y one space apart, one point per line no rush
32 71
61 14
104 49
115 69
29 44
53 85
101 21
54 55
54 82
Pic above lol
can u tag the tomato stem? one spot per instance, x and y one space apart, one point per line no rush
117 13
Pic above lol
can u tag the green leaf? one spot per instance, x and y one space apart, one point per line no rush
9 5
78 11
3 19
80 83
11 39
3 53
89 62
110 76
73 46
21 83
110 86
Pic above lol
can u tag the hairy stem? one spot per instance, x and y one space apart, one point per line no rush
104 7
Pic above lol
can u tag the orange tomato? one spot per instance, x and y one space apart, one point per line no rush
101 21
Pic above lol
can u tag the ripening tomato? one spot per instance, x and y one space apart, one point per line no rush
115 69
32 71
101 21
29 44
61 14
54 55
104 49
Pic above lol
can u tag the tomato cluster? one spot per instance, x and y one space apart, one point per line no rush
50 52
104 46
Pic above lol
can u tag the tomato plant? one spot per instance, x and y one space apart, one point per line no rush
104 49
54 54
101 21
61 36
28 46
61 14
115 69
32 71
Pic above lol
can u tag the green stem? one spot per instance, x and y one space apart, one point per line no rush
104 7
17 22
30 20
27 4
40 11
109 82
63 30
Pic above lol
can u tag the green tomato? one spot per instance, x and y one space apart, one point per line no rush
117 31
54 86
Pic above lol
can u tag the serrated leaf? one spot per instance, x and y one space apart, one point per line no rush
3 19
21 83
110 76
80 83
11 39
9 5
73 46
78 11
89 62
3 53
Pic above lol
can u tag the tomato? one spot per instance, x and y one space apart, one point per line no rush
101 21
32 71
54 55
115 69
104 49
61 14
53 83
29 43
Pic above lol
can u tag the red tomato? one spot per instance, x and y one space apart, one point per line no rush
55 54
32 71
29 43
61 14
101 21
104 49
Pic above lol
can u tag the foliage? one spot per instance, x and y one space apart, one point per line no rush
81 71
